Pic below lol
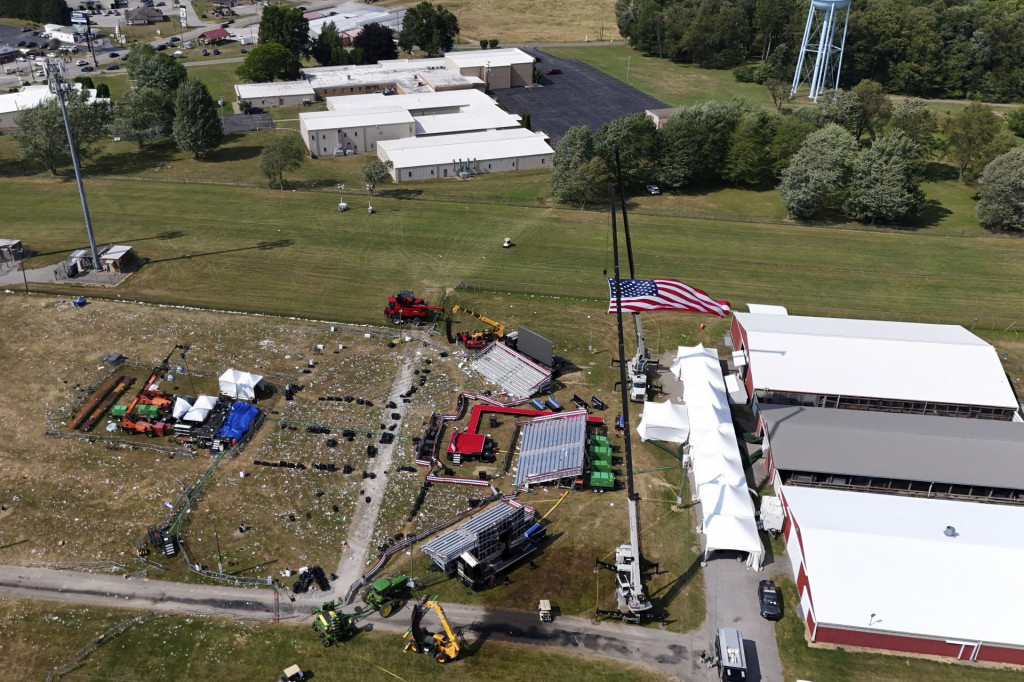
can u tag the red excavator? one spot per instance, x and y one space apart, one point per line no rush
148 395
405 305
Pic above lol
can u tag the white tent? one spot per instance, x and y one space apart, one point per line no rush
201 409
237 384
664 421
181 407
720 483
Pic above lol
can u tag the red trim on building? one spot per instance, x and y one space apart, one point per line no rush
917 645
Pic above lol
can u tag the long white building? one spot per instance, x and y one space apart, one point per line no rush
446 156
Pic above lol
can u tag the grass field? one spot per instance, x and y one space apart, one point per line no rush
799 661
35 637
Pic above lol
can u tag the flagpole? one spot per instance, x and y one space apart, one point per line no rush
623 383
625 220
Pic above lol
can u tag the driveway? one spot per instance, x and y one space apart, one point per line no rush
580 95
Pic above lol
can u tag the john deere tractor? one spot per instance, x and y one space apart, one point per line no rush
387 595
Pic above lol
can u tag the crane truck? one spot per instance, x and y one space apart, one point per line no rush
477 339
443 647
636 368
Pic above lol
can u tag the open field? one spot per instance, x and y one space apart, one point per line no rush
37 636
799 661
534 21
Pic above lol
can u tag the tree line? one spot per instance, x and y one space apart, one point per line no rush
855 155
284 41
927 48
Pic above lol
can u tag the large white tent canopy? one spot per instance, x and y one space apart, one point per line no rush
201 408
236 384
729 522
664 421
181 407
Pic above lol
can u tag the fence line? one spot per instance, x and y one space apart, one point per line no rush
75 661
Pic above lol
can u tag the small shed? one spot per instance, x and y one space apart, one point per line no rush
118 259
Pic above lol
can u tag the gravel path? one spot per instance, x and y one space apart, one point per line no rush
353 557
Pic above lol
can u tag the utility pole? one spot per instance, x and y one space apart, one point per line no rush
58 85
88 39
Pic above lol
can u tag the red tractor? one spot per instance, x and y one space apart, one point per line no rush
407 306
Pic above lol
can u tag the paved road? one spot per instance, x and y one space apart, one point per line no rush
653 648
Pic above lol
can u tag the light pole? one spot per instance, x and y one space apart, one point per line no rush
58 84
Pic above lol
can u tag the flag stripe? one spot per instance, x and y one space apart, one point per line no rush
664 294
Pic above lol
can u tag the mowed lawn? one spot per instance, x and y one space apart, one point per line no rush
674 84
293 253
534 21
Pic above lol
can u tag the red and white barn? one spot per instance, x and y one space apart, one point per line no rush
869 365
925 576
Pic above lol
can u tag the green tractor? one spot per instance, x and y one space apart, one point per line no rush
387 595
334 626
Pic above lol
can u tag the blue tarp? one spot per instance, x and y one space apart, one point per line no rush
239 418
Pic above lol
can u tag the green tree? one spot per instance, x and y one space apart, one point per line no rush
874 107
86 82
1015 119
197 126
41 135
148 68
776 75
327 49
377 43
790 133
492 44
750 159
972 131
916 121
283 153
103 91
267 62
1001 192
636 136
525 121
143 114
287 27
572 152
884 185
483 44
431 28
842 107
591 182
815 183
375 172
694 142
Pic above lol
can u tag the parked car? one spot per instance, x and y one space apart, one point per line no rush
81 62
216 51
653 189
205 52
86 69
114 55
174 39
252 110
113 67
771 603
554 72
22 43
161 46
244 51
25 29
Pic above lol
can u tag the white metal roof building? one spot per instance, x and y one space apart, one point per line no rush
443 156
12 104
927 576
347 18
403 76
872 364
279 94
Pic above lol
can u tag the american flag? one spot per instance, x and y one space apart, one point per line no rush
639 295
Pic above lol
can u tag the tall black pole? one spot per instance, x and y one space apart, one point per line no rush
627 446
625 220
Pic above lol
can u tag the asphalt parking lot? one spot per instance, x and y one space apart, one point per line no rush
580 95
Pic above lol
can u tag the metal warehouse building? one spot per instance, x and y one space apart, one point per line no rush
927 576
287 94
870 365
444 156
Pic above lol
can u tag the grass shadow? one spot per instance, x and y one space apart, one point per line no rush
132 160
228 153
936 172
932 213
399 193
664 595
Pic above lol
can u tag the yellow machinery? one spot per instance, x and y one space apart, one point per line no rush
497 330
443 647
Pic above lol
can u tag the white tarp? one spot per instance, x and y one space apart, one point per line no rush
181 407
202 407
720 483
236 384
664 421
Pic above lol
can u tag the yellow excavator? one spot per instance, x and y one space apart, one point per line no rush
476 339
443 647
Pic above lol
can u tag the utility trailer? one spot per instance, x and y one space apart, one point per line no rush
732 662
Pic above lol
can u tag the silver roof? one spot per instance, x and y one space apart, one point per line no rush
444 549
913 447
550 448
515 373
